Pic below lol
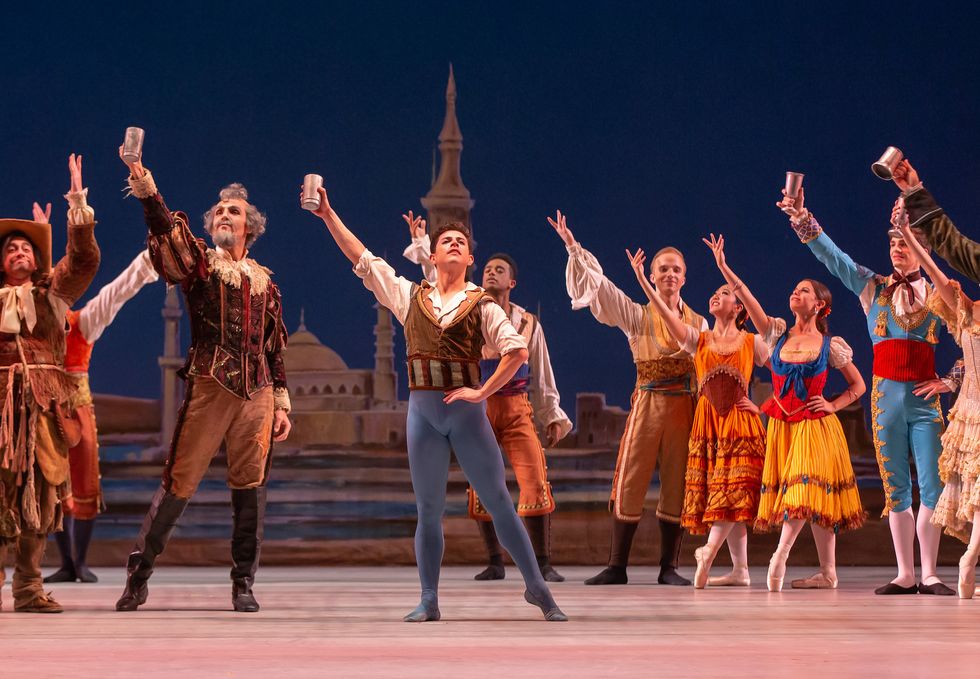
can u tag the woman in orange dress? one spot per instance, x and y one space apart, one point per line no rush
727 446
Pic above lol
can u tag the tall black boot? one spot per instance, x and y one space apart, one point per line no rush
619 555
64 539
495 568
539 530
248 505
671 535
158 526
82 536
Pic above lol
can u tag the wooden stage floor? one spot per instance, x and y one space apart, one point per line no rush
346 622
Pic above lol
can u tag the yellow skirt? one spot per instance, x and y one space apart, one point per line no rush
808 475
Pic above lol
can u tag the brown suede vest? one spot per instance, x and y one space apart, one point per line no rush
443 358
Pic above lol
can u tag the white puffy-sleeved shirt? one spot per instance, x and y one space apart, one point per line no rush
99 312
588 287
395 292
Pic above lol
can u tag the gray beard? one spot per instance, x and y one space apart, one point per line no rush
223 239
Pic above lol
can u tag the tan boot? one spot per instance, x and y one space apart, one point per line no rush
29 596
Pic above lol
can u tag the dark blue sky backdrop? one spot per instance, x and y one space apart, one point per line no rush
648 123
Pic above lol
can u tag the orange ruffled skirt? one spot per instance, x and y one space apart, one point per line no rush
724 468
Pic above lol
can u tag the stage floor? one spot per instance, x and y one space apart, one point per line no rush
346 622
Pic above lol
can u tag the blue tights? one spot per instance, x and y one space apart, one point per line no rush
433 429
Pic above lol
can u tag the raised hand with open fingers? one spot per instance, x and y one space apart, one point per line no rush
561 228
416 225
42 216
717 245
75 171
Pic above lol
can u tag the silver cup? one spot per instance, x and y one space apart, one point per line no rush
133 145
311 196
794 182
886 165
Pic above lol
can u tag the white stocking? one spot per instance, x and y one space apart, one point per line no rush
718 534
738 547
929 535
826 543
791 529
902 525
974 546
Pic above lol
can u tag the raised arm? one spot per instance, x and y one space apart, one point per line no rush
742 292
419 251
675 325
943 286
99 312
348 243
391 290
587 286
74 272
177 255
810 233
924 213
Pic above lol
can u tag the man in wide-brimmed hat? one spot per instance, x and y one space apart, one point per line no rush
35 425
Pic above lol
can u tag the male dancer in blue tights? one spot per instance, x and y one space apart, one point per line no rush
446 326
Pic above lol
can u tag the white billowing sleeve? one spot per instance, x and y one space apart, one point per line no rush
417 252
390 289
777 326
840 353
101 310
498 332
546 399
588 287
689 344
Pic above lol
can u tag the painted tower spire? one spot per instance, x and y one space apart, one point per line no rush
449 200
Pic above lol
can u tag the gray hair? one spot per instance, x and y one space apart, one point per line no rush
254 220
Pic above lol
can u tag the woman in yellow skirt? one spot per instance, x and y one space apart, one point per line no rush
727 445
808 475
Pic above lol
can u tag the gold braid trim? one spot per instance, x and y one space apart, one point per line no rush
879 444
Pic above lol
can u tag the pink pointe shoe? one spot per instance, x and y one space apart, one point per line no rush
777 569
704 557
739 577
821 580
968 575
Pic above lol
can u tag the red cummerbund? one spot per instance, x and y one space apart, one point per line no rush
904 360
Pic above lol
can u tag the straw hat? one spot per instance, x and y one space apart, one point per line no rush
39 234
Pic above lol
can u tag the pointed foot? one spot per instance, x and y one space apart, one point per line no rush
550 609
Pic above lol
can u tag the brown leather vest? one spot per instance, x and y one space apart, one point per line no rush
438 357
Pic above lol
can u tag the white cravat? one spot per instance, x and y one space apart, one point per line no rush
18 305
